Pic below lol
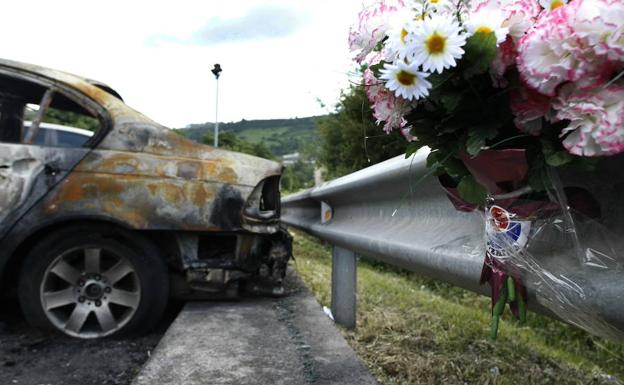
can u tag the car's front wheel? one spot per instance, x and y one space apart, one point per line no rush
92 282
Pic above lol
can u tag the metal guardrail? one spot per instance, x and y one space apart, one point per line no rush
397 213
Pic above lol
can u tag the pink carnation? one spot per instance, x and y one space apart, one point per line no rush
544 59
386 106
560 49
529 108
505 58
372 27
596 120
405 131
520 16
601 24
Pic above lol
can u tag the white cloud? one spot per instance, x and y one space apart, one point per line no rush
297 54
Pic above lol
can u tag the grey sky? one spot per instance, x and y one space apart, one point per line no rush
258 23
278 57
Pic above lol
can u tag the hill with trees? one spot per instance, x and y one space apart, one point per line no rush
280 136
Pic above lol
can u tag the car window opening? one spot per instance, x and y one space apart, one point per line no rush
31 113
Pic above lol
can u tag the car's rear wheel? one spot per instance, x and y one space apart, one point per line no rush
93 282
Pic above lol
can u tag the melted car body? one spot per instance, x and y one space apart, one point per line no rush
213 214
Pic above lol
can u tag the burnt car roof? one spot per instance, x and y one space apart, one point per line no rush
132 131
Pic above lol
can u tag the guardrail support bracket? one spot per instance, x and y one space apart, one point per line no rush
343 291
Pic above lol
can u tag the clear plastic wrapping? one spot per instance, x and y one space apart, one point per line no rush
559 247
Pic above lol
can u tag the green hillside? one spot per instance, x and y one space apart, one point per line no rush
280 136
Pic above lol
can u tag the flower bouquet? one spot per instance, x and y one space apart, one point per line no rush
503 92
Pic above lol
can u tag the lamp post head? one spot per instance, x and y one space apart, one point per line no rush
216 70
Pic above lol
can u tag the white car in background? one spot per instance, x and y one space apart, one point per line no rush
56 135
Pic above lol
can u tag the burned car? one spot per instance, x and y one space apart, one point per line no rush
97 231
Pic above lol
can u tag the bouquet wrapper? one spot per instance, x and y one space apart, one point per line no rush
555 247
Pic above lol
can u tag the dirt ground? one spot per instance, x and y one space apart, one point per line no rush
31 357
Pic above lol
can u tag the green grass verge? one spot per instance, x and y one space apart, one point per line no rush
411 330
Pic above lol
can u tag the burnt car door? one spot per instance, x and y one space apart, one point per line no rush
28 171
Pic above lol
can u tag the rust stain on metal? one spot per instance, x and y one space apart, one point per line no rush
137 172
138 200
149 176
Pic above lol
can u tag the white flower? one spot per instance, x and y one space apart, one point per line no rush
440 5
437 43
400 39
488 20
405 80
552 4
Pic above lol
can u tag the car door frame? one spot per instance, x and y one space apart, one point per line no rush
54 163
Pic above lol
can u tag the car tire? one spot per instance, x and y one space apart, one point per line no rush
94 281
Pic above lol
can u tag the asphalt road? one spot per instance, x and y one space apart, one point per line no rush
32 357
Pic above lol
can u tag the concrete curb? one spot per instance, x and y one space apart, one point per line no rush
283 341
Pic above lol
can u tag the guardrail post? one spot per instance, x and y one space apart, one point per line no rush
343 290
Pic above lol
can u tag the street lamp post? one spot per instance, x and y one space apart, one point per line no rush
216 72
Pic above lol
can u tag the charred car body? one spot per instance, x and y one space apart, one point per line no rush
92 236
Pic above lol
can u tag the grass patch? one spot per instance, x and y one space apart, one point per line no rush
412 330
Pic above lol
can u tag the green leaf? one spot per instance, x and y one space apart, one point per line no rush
471 191
377 67
538 179
455 167
478 135
437 80
432 159
451 101
412 148
480 51
558 158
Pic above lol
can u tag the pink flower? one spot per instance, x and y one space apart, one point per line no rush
405 131
386 106
544 59
596 120
505 58
601 24
520 16
529 108
372 27
569 44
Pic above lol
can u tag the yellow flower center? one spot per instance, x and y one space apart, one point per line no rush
434 1
406 78
484 29
556 4
403 35
436 43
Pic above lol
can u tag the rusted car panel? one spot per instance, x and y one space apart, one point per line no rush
142 176
161 192
27 173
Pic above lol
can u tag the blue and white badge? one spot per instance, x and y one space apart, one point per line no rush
505 236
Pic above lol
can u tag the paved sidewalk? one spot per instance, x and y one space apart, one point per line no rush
286 341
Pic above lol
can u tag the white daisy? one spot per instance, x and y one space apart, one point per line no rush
437 43
405 80
440 5
552 4
400 39
488 20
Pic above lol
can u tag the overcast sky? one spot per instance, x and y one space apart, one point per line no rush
279 57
